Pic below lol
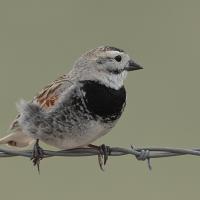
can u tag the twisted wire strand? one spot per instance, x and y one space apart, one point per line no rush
153 152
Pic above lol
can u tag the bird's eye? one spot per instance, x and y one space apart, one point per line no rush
118 58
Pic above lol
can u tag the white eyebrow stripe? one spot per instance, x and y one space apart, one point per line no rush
113 53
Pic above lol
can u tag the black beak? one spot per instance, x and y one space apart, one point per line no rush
133 66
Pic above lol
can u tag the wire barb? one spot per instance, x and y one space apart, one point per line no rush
143 155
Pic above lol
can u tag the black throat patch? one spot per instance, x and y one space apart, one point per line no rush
103 101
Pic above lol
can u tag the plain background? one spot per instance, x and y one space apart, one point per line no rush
40 40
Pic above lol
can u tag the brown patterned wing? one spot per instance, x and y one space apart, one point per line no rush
46 98
49 95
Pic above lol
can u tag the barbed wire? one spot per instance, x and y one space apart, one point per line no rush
146 153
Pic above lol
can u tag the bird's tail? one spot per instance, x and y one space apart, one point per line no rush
17 139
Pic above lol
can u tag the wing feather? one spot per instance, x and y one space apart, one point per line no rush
49 95
46 99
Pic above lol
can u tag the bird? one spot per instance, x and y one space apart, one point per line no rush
78 107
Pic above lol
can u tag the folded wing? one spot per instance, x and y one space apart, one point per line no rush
47 98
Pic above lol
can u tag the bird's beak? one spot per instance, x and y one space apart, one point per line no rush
133 66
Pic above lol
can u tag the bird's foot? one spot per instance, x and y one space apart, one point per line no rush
104 152
38 154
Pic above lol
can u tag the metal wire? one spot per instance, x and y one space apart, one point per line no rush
146 153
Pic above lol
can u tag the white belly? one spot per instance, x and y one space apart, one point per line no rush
93 131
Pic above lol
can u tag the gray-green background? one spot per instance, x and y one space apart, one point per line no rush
40 40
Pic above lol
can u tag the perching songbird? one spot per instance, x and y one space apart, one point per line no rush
78 107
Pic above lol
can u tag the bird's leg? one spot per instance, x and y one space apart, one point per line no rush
104 152
38 154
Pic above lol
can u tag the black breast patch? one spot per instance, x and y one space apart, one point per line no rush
103 101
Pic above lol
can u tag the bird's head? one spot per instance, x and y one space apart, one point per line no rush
108 65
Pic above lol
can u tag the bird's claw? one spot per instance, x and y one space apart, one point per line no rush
38 154
104 152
